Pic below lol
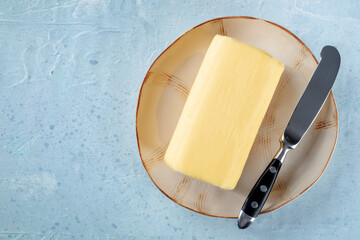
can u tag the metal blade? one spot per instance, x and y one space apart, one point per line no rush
314 96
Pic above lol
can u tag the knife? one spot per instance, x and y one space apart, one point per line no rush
303 116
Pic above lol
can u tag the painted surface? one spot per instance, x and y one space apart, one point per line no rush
69 81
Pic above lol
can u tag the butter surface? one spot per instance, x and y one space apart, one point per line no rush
223 112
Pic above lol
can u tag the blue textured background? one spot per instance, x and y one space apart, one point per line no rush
70 72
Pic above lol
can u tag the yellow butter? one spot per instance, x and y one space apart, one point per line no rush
223 112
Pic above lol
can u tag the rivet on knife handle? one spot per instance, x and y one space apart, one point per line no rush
303 116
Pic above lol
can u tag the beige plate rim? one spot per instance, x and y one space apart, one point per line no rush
147 73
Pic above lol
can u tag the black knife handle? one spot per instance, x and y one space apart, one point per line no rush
260 192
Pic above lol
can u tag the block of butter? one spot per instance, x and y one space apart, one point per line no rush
223 112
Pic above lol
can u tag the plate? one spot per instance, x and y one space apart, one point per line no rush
164 92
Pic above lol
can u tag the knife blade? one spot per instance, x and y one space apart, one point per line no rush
303 116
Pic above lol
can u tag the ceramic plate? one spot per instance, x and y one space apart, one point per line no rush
164 92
